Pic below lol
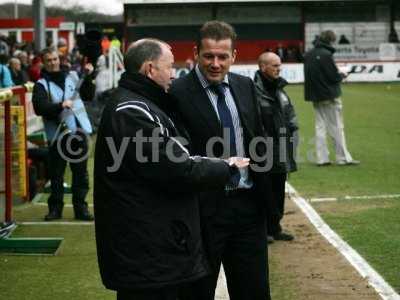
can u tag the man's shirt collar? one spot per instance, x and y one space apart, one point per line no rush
204 82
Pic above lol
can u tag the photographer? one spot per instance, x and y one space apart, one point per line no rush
56 99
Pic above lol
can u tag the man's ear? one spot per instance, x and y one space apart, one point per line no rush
234 53
262 66
146 69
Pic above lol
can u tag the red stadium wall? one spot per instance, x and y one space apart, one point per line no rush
248 50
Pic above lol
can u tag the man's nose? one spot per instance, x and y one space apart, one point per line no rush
215 62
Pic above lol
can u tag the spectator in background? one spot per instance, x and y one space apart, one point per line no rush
343 40
35 69
295 53
24 59
281 52
280 123
76 61
322 87
291 55
103 84
300 52
5 74
189 64
105 44
4 48
19 76
115 43
62 47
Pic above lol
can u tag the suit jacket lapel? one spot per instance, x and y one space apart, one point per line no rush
242 104
203 105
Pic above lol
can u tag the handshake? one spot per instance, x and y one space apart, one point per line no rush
238 162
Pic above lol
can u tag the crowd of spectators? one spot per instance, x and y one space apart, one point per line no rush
291 53
19 63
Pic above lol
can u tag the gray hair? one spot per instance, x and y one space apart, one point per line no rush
140 52
14 60
47 50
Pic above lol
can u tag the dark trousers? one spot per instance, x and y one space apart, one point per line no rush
236 237
59 156
276 207
166 293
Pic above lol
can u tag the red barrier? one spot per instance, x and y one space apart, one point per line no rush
7 159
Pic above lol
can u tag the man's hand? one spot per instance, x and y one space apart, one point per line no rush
239 162
88 68
67 104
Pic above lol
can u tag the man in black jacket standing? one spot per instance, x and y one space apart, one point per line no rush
322 87
280 123
147 215
215 104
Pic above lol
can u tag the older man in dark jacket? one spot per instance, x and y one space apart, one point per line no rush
147 215
280 123
322 86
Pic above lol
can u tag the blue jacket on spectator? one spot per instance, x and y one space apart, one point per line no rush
5 77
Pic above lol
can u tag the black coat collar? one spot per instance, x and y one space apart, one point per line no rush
56 77
149 89
272 86
320 44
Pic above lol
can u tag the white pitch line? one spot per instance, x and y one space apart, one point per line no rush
323 199
356 260
372 197
328 199
56 223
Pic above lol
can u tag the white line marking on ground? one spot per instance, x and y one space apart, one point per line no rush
57 223
65 205
372 197
327 199
322 199
366 271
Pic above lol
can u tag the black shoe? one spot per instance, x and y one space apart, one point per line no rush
54 214
282 236
270 239
84 216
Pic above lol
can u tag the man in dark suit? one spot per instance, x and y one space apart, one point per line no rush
216 105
